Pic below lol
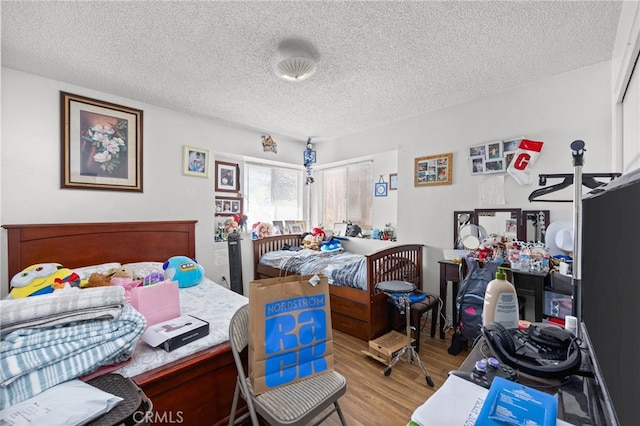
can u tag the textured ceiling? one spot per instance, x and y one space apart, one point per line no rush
378 62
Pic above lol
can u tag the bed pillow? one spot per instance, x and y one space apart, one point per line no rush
85 271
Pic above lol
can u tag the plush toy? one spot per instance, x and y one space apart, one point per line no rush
262 229
186 271
96 279
331 245
153 278
319 233
312 242
42 278
120 273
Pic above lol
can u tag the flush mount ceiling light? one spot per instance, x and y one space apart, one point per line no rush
296 68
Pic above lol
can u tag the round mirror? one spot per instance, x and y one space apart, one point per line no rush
471 236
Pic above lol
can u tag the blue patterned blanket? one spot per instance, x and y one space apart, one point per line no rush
33 360
340 268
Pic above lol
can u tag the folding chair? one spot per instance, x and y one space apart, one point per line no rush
295 404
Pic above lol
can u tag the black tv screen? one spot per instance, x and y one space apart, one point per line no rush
611 289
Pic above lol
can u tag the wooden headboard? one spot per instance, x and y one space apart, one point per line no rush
81 244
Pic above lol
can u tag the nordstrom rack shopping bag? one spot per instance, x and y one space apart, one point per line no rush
290 336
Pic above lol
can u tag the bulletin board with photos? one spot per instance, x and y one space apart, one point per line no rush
492 157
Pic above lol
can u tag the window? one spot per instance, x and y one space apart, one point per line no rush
347 195
272 193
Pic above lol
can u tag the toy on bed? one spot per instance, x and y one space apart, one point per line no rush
332 245
42 278
113 276
186 271
314 239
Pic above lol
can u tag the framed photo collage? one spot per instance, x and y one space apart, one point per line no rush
492 157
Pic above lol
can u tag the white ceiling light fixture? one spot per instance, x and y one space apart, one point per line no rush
295 68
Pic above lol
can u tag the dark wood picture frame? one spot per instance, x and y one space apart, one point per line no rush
393 181
227 177
101 145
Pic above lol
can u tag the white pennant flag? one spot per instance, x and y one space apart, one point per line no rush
524 158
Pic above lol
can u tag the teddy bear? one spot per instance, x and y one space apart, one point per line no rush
118 276
97 279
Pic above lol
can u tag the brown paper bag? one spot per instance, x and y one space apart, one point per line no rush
290 337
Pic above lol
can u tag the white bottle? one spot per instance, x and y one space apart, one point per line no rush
500 302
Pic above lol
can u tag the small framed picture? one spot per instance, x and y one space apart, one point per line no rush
195 162
296 228
227 206
478 151
508 158
433 170
393 181
381 189
511 145
278 227
227 177
477 165
494 150
340 229
494 166
287 226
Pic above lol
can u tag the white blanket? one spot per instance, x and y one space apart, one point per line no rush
61 307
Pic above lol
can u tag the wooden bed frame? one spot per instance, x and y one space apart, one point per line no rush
362 314
199 387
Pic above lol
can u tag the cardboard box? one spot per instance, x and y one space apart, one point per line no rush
384 348
176 332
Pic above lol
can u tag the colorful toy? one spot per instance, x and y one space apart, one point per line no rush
153 278
42 278
96 279
312 242
186 271
331 245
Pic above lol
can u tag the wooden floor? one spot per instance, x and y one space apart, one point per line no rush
375 399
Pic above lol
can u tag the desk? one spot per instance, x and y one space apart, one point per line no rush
526 283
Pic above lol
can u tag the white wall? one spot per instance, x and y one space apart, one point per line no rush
31 164
557 111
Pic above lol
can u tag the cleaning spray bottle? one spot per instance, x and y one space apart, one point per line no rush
500 302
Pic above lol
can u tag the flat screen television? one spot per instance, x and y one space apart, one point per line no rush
611 290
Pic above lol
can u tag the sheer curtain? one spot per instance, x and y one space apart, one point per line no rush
347 195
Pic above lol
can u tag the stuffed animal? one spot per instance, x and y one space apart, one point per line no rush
319 233
120 273
312 242
42 278
96 279
186 271
153 278
331 245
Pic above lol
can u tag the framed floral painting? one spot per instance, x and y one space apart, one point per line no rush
101 145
